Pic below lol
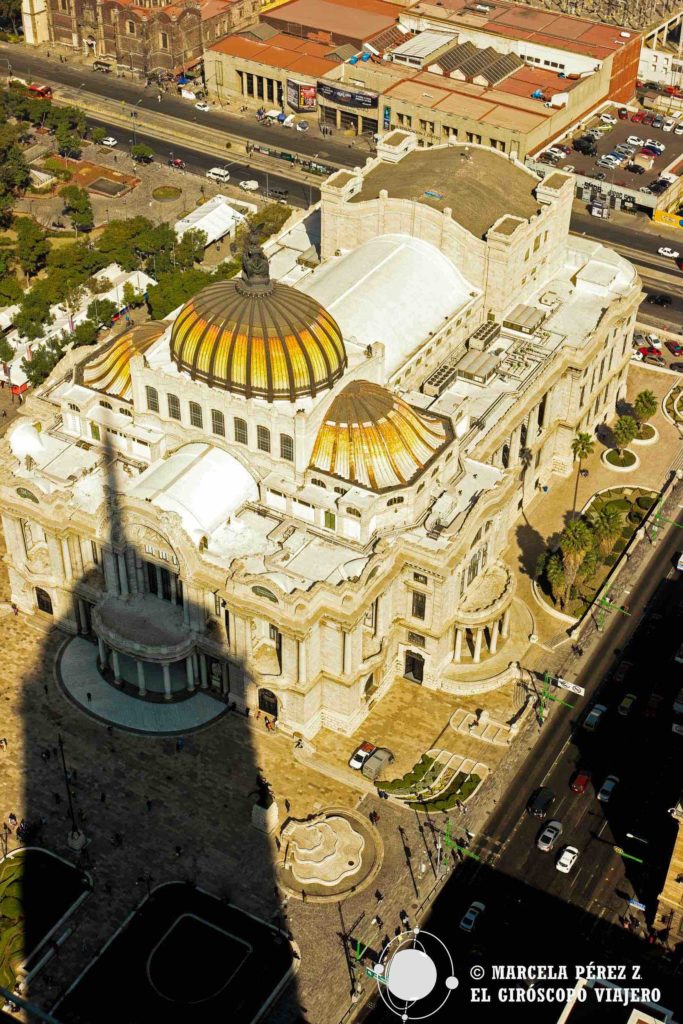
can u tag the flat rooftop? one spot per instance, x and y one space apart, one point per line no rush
351 19
478 188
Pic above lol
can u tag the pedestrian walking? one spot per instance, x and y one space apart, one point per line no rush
47 692
287 806
379 895
178 851
258 714
180 743
266 721
57 798
13 606
88 697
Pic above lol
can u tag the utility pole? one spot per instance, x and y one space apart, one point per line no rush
76 840
605 604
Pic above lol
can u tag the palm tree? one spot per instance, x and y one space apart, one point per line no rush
526 457
575 542
554 571
644 407
606 524
582 446
624 430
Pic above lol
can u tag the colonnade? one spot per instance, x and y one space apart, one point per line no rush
499 628
196 671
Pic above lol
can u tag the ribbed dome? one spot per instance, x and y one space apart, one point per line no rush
259 339
109 371
375 439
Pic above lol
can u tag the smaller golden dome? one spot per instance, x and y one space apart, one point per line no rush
374 439
109 371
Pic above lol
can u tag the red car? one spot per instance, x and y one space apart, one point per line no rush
649 118
674 348
646 350
581 781
177 163
653 705
623 114
638 116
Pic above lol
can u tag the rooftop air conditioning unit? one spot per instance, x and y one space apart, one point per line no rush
482 7
625 35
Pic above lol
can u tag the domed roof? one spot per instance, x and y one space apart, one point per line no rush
372 438
109 371
257 338
26 440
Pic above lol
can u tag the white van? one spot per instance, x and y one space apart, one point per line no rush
218 174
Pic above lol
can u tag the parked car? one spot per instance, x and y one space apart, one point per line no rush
648 350
102 65
580 781
361 755
669 124
471 917
541 802
626 704
655 360
638 116
658 121
635 140
607 788
648 118
203 106
656 144
671 254
377 762
674 347
110 141
567 859
635 169
177 163
251 185
623 114
302 126
659 299
678 130
594 717
549 836
677 367
623 669
652 706
608 119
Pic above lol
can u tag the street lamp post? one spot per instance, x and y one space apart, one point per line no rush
629 835
76 839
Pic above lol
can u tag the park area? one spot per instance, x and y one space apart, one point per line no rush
182 953
37 890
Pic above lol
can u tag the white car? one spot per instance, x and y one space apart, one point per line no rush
608 119
219 174
668 124
302 126
670 253
109 141
472 916
678 130
567 859
654 144
360 756
607 788
202 106
637 356
249 186
634 140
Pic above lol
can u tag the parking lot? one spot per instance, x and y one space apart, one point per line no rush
613 135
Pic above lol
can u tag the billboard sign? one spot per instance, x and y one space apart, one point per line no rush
348 98
301 96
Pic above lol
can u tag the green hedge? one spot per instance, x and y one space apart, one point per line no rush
618 505
646 502
411 778
461 788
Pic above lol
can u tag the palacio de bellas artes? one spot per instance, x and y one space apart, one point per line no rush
294 492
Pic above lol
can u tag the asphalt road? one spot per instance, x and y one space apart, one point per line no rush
536 915
299 193
131 90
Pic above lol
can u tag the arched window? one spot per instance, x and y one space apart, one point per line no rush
395 501
267 702
74 408
105 405
318 483
217 422
263 439
240 426
478 537
43 600
174 407
196 418
126 412
286 447
473 567
505 456
352 511
489 524
152 399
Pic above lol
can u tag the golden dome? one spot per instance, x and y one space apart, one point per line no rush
109 371
257 338
372 438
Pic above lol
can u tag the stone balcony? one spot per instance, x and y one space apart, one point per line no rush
143 626
488 596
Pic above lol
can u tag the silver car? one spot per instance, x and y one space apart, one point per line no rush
549 836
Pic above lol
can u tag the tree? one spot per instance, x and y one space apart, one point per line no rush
101 311
141 153
624 430
10 291
32 245
34 315
173 290
85 333
575 542
14 173
132 298
98 135
644 407
554 571
118 242
68 142
582 447
77 204
6 351
10 14
606 525
43 360
190 248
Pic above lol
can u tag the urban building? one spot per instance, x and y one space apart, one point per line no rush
146 37
669 917
289 495
661 58
508 77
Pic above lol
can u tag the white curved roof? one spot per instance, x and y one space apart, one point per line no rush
26 440
203 484
394 289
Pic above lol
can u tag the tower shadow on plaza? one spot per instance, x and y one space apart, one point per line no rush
155 896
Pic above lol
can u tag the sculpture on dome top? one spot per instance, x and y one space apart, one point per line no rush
255 269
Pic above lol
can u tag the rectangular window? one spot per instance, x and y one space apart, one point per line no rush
217 422
164 41
130 28
419 605
330 521
174 407
263 439
420 578
240 427
95 553
196 418
286 447
152 399
94 431
273 632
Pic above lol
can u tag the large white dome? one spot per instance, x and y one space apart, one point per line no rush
26 440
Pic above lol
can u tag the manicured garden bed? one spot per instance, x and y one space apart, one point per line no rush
647 432
621 459
461 788
165 193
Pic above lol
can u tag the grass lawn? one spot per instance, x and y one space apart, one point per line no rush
167 192
623 459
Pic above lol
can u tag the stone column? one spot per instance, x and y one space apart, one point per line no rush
186 609
160 588
56 561
140 574
515 444
225 681
116 667
493 646
68 571
477 645
167 681
103 653
203 672
190 673
141 678
110 574
174 592
301 670
457 653
505 627
82 616
123 574
346 652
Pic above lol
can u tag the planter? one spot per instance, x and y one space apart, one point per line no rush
540 599
651 435
167 193
630 458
